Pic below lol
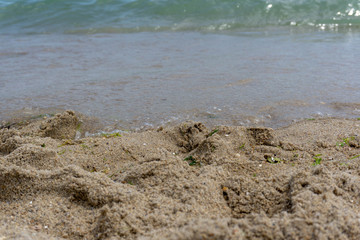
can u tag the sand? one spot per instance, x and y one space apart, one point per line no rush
180 182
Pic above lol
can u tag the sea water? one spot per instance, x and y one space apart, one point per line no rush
137 63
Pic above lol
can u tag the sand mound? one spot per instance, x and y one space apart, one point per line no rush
29 155
181 182
62 126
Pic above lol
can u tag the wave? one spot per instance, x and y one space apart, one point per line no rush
92 16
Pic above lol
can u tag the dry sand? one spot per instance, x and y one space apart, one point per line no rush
297 182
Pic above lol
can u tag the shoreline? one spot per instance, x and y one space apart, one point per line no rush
185 181
94 125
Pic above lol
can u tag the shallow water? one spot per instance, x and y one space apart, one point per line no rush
268 77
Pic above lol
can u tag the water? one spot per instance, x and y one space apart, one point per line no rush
146 63
91 16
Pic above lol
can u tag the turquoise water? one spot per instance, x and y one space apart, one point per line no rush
143 63
94 16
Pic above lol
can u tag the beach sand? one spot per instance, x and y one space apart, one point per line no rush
180 182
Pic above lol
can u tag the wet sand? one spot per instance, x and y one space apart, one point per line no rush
180 182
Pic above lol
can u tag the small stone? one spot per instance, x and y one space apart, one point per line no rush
37 227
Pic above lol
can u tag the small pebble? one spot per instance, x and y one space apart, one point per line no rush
37 227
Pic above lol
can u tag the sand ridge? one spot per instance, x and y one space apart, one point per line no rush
180 182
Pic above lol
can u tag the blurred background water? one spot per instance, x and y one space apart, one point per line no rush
139 63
